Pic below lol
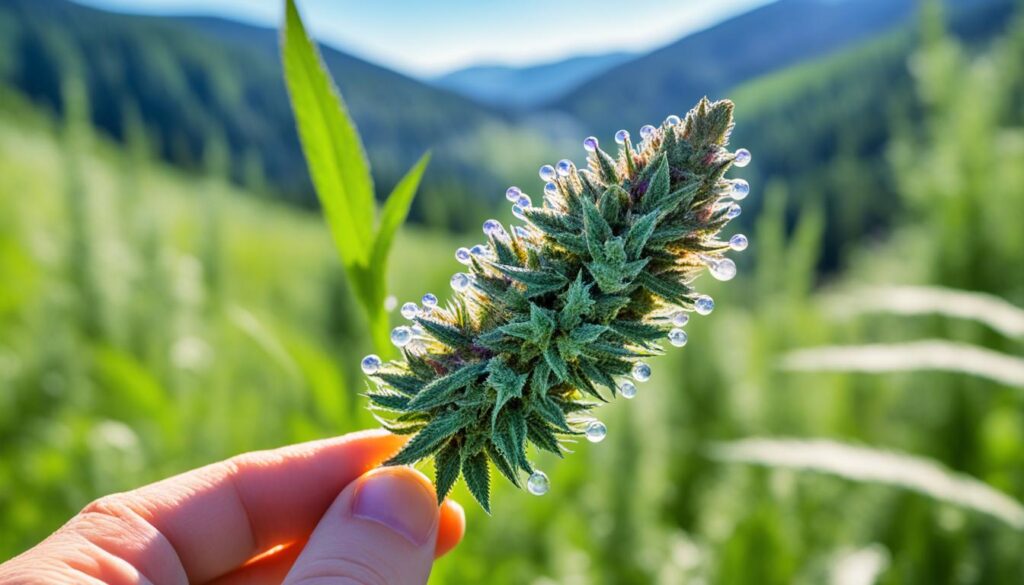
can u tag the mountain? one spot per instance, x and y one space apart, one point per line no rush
715 60
521 88
193 80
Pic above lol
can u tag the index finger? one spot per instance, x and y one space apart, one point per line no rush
218 517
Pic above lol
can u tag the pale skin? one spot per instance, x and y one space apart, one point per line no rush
319 513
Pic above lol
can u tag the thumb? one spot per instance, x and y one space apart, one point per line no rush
380 530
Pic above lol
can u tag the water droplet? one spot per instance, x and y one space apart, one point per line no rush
738 242
518 212
371 364
647 131
401 336
492 227
628 390
463 255
672 120
564 167
479 250
410 311
742 158
513 193
704 305
734 211
590 144
524 201
429 301
739 189
460 281
596 431
538 483
621 136
724 269
550 189
677 337
417 330
681 318
547 173
522 232
641 372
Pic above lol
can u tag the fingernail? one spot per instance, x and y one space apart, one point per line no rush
399 499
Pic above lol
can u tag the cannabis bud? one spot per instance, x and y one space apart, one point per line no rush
569 301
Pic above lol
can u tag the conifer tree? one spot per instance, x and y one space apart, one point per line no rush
551 318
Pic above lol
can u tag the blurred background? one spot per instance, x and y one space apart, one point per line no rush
852 412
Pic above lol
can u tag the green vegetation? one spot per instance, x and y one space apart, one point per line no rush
153 320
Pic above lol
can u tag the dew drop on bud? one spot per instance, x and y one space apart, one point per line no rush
672 120
478 250
524 201
564 167
724 269
513 193
463 255
492 227
547 173
738 242
410 311
538 483
680 319
370 364
677 337
550 188
704 305
741 158
621 136
739 189
628 390
734 211
517 211
460 281
401 336
641 372
647 131
429 301
596 431
590 144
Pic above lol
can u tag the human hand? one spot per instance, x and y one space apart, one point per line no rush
309 513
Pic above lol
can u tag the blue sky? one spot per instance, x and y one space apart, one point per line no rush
424 37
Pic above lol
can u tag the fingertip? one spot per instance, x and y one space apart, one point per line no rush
451 529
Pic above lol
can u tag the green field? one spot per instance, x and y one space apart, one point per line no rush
153 320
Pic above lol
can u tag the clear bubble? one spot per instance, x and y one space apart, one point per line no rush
590 144
596 431
672 120
724 269
429 301
628 390
677 337
621 136
463 256
681 318
513 193
492 227
417 330
550 189
738 242
734 211
460 281
739 189
479 250
401 336
371 364
564 167
410 311
524 201
647 131
704 305
547 173
518 212
522 232
538 483
742 158
641 372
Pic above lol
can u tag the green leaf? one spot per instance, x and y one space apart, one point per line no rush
394 212
447 466
478 479
430 438
334 152
441 389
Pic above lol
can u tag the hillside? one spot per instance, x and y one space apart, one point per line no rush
521 88
193 79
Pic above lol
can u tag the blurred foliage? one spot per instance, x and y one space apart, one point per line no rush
152 321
